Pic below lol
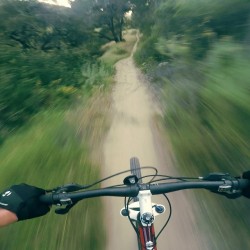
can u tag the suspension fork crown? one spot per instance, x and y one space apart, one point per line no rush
146 211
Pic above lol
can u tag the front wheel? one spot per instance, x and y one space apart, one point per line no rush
136 170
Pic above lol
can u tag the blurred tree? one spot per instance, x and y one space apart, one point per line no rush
143 14
37 26
175 26
200 29
110 18
42 49
106 16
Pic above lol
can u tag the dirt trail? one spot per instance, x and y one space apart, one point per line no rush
133 132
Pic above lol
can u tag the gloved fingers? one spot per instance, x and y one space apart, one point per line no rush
26 191
31 209
23 200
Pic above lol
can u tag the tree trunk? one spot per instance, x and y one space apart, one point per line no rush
112 28
121 23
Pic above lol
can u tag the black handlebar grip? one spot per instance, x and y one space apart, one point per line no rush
47 199
246 188
246 175
244 184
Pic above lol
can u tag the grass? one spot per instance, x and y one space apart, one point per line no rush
49 153
113 52
99 75
208 122
96 76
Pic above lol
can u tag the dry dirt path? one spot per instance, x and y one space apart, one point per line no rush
134 132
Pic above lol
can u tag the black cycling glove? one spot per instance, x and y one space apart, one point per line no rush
246 191
23 200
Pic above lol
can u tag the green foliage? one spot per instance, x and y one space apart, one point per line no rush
113 52
41 27
171 48
147 54
194 26
96 75
42 51
108 17
120 51
212 112
208 122
225 105
142 17
47 154
31 82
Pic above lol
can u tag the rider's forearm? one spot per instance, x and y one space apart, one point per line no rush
7 217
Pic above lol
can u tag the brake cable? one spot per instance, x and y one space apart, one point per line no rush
76 187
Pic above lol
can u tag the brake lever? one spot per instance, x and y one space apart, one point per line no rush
66 203
64 210
224 190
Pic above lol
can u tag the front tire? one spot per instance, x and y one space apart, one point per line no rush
136 170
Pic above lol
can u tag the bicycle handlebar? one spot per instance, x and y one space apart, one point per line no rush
226 187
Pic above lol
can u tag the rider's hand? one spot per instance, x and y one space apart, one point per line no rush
246 191
23 200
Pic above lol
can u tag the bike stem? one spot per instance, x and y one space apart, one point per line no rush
146 211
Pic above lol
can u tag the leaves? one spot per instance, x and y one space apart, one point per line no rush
41 53
108 17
